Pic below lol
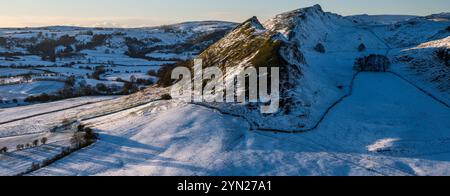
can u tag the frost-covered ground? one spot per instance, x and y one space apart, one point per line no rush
23 90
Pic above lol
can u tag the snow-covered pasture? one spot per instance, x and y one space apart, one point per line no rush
353 140
22 91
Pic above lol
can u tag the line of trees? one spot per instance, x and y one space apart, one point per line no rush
70 89
373 63
35 143
47 48
97 40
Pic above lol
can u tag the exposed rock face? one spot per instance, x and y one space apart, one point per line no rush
249 43
279 42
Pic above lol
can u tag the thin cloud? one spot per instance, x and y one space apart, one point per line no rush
39 21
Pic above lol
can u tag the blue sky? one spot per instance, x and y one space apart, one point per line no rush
130 13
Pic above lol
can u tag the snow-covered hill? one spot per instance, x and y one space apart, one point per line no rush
333 120
409 139
311 81
314 81
122 55
380 19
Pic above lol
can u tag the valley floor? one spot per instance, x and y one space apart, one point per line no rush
387 127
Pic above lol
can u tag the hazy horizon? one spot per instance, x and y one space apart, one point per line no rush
147 13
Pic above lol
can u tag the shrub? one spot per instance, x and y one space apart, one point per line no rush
448 28
287 104
4 150
320 48
80 128
361 48
373 63
166 97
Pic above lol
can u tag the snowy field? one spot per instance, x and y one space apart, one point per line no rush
22 91
24 111
409 139
7 72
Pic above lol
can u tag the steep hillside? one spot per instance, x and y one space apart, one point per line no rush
311 81
314 80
